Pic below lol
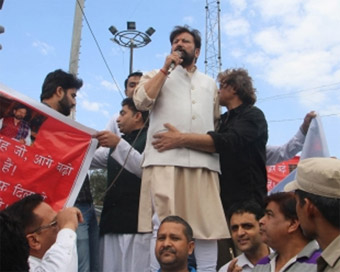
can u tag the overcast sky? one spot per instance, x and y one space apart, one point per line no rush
291 48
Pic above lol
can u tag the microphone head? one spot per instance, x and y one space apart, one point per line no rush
173 65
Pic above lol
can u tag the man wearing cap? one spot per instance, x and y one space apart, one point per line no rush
317 189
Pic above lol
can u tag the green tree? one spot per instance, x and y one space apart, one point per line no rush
98 185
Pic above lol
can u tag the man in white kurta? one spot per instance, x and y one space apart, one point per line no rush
182 182
62 255
50 235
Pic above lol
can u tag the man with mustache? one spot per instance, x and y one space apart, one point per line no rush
243 220
182 181
174 244
59 92
15 126
281 230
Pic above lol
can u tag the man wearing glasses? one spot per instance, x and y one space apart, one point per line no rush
51 236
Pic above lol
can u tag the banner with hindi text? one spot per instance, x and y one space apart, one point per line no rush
53 163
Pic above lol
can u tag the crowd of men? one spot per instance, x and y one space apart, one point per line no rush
184 184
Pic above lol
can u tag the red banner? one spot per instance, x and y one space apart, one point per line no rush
277 172
53 164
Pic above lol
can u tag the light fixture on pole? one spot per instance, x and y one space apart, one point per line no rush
131 38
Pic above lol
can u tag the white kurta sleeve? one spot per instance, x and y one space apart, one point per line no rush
133 164
62 255
276 154
100 157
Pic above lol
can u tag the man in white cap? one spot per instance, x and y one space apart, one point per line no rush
317 188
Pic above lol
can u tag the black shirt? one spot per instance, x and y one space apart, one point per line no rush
241 143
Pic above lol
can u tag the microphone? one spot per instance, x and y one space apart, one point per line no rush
173 64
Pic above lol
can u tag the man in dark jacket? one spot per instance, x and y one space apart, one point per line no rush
121 246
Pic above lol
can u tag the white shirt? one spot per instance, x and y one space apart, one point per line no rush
61 256
122 151
276 154
242 261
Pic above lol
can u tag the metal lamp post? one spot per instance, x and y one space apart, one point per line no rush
131 38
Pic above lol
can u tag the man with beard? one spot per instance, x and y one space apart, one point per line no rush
59 92
15 126
182 181
174 244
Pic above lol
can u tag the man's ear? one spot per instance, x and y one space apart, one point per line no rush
311 209
294 225
33 241
138 116
191 247
59 92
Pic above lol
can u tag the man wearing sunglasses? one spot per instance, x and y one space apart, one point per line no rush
50 235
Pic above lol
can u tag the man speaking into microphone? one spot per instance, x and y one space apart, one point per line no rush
182 181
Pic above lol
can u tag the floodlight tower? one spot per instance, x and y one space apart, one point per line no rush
131 38
212 38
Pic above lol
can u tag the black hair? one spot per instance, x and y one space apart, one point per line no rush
131 105
139 74
176 219
241 82
20 106
14 248
328 207
249 206
286 202
59 78
186 29
22 211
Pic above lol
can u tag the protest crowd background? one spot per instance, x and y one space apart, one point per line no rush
181 178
